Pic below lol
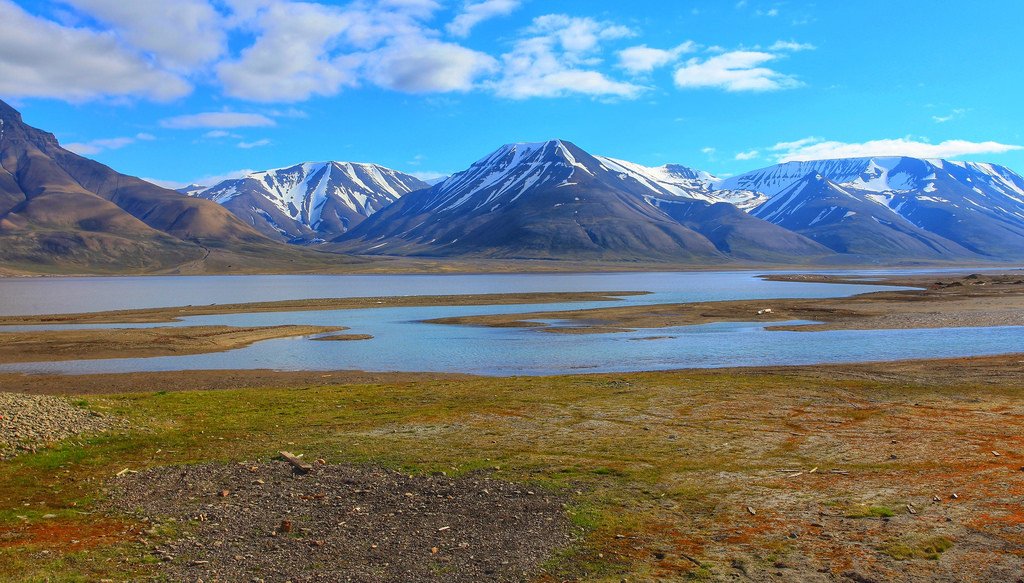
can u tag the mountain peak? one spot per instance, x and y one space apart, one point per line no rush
9 114
311 201
532 146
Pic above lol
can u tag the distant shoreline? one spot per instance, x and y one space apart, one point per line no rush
389 265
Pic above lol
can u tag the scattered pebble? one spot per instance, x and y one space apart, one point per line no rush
28 422
343 523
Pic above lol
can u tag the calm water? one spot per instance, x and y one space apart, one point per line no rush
402 343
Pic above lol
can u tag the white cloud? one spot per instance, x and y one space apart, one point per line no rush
209 180
473 13
40 58
734 71
955 114
415 8
558 58
192 33
818 149
254 144
709 151
789 45
218 119
644 59
750 155
428 176
420 65
291 112
303 49
94 147
578 35
291 59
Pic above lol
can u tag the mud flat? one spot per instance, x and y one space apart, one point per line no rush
163 315
54 345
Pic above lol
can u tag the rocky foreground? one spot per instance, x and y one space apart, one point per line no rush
266 522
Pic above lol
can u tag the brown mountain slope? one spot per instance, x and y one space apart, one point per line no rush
62 212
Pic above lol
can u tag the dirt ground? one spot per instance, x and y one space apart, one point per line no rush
870 472
264 521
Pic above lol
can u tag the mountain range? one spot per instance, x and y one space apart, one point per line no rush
958 206
548 200
552 200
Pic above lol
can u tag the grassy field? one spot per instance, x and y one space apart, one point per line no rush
813 473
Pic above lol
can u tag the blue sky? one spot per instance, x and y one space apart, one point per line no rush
197 89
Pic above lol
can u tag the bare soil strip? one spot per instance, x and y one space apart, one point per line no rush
946 302
55 345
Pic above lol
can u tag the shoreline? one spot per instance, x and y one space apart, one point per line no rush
952 371
443 266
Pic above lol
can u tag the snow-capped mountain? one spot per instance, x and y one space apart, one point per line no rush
312 201
849 222
551 199
684 182
882 174
980 207
191 189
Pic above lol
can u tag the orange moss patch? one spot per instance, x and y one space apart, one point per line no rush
67 535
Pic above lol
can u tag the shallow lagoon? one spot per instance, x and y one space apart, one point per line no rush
403 343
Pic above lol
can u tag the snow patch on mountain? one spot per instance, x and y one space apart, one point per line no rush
301 192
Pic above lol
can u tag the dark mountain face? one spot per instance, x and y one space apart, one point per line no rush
60 209
846 221
543 200
552 199
742 236
313 201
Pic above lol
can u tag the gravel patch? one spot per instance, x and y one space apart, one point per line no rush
28 422
263 522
